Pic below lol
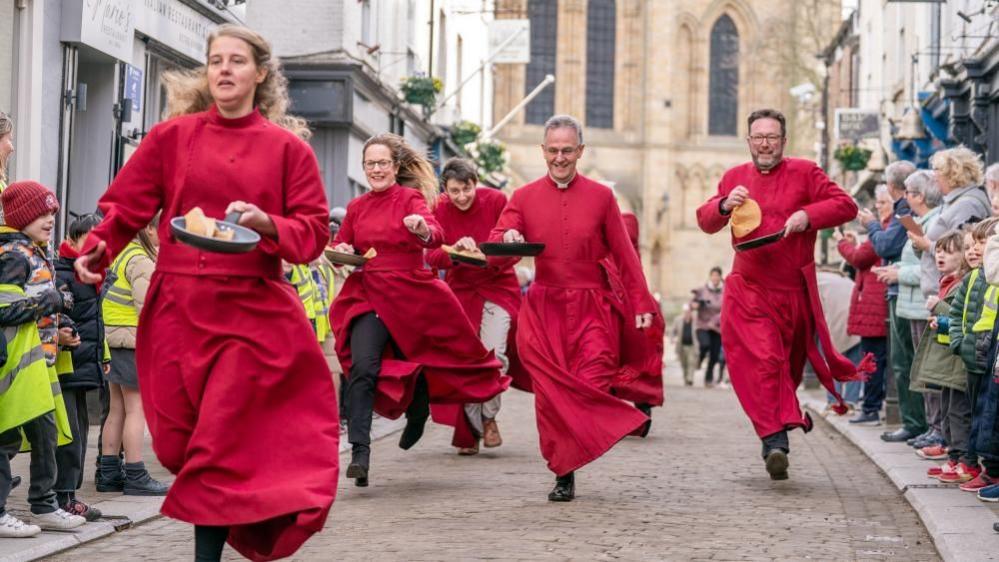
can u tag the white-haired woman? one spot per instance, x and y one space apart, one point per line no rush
959 176
229 367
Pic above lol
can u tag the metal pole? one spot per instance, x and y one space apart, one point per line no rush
492 57
549 79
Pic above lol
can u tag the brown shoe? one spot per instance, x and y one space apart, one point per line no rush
490 434
468 451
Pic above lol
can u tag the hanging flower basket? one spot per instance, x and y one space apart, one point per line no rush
852 158
421 90
465 132
489 156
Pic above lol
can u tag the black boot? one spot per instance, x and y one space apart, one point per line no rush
15 482
110 477
776 463
360 458
565 488
647 410
412 433
138 482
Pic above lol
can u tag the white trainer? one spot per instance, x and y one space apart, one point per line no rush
58 520
13 528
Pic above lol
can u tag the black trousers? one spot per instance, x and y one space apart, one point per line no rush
874 387
41 434
711 344
70 457
368 338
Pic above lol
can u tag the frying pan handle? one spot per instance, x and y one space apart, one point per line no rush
233 217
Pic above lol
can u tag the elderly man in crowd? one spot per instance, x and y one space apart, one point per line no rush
888 243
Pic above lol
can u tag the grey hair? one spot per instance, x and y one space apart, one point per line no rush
564 122
925 183
992 172
881 189
896 172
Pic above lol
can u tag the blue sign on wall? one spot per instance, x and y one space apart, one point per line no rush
133 87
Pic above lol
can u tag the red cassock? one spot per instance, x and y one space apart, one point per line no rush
569 329
771 313
235 388
422 315
473 285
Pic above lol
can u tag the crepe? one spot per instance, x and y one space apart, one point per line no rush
196 222
477 254
746 218
370 254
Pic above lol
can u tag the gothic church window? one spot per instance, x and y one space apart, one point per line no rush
543 15
601 25
723 87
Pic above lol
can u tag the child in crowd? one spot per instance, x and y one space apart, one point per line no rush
936 366
967 328
32 404
987 434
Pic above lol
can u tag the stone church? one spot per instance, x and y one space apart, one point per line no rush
663 89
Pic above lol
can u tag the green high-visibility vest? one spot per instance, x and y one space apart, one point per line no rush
64 362
987 320
28 387
323 327
118 304
301 279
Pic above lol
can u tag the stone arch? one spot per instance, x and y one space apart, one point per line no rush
747 25
685 89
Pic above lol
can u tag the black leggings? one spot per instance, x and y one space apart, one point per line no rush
368 338
209 542
711 344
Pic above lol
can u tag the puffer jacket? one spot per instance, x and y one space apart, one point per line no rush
964 342
911 303
934 364
88 357
868 305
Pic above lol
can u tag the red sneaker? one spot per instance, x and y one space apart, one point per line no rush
977 483
936 471
933 453
963 473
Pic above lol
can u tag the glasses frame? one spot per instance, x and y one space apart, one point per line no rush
563 151
380 164
766 138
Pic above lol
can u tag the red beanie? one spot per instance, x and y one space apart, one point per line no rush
25 201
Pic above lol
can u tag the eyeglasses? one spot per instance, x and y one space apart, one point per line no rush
380 164
567 151
908 192
771 139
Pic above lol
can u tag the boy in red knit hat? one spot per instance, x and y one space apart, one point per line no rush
31 405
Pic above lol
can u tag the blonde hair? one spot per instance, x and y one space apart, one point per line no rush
188 92
959 166
6 128
414 169
145 241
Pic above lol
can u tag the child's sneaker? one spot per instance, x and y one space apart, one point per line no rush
977 483
963 473
58 520
13 528
989 493
76 507
936 471
933 453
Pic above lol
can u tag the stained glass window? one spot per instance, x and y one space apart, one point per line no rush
723 89
600 43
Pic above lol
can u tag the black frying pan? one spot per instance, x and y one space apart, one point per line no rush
759 241
343 258
244 240
512 248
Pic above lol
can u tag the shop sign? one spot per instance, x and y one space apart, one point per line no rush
175 25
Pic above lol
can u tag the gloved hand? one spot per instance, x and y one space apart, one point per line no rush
50 301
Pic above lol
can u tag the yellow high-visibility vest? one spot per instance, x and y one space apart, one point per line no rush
323 327
301 279
118 304
987 320
28 387
64 362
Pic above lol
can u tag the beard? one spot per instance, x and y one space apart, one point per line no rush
774 159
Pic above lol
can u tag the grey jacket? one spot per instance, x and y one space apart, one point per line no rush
970 203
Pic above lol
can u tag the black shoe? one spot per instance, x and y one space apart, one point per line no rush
647 426
565 488
110 477
866 417
412 433
360 458
776 463
897 436
995 527
138 482
15 482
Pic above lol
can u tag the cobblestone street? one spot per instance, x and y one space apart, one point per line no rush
695 490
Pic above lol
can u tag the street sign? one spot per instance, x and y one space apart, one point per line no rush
856 124
133 87
517 51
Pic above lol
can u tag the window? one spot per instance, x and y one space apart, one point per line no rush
459 73
366 36
723 87
600 36
543 15
442 49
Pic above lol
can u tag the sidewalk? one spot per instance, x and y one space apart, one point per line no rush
961 526
119 512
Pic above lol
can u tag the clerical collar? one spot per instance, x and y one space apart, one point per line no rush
561 185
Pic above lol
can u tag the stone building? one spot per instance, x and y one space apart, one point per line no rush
663 90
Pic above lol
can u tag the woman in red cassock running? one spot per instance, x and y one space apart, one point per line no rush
401 334
229 367
771 314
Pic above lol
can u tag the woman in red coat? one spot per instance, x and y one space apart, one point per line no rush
400 332
229 367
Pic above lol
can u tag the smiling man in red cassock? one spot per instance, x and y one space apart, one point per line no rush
771 314
570 324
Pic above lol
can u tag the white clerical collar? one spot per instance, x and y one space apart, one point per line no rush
561 185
